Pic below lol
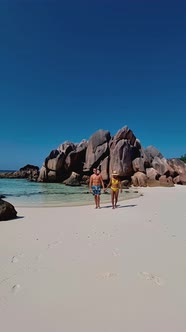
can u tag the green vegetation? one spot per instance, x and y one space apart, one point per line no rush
183 158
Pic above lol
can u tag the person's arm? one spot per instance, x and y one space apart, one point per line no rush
109 184
120 186
102 183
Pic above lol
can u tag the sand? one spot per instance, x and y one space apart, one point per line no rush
80 269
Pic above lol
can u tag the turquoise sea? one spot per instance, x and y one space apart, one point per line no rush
21 192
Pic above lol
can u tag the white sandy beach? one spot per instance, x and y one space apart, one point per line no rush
78 269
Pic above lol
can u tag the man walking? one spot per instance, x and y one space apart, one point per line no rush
96 181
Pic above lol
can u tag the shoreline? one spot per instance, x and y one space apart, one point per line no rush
127 194
81 269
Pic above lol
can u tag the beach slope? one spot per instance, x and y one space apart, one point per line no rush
80 269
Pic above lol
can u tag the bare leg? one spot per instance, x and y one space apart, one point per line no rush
112 198
98 201
95 198
116 197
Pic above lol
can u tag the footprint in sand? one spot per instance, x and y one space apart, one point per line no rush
49 246
107 275
3 301
15 259
116 252
53 244
39 257
149 276
15 289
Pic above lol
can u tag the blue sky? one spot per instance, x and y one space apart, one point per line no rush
69 68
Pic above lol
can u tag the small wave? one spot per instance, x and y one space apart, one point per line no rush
46 194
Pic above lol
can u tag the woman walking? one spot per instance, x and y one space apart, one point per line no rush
115 186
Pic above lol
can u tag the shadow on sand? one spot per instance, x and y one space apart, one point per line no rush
12 219
119 206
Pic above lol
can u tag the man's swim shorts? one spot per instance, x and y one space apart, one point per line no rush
96 190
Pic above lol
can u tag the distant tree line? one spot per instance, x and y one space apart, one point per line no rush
183 158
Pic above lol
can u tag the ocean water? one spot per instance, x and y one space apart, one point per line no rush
22 193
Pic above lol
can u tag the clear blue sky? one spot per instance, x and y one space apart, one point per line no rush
69 68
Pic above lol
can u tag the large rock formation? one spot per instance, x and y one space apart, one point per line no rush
73 180
178 166
139 179
97 150
28 168
60 163
105 168
166 180
152 174
75 159
180 179
161 166
138 165
123 152
151 152
30 172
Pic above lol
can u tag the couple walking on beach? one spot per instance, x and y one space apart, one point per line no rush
96 181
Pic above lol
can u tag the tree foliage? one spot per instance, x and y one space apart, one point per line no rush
183 158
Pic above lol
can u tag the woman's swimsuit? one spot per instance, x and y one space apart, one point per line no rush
115 183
